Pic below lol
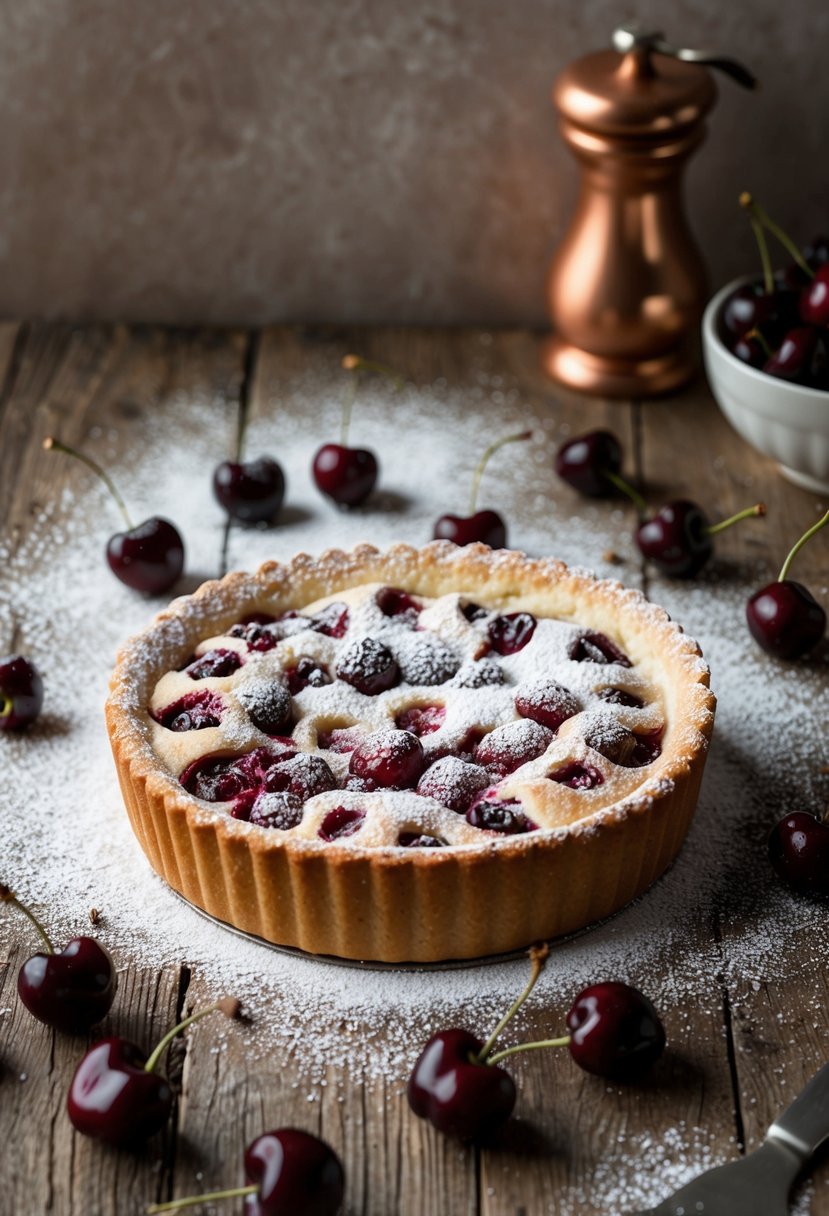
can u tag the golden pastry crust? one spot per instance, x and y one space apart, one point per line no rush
390 904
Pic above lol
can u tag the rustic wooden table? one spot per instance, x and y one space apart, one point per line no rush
735 1059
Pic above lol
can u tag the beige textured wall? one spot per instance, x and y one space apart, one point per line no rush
260 160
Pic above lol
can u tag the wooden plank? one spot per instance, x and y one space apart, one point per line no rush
47 1166
110 391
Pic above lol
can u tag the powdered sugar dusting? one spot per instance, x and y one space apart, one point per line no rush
68 845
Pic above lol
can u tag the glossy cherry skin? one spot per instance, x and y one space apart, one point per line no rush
460 1098
71 990
799 852
785 619
113 1098
794 358
251 492
21 692
748 350
814 300
296 1173
149 557
615 1031
487 527
585 461
749 307
345 475
676 539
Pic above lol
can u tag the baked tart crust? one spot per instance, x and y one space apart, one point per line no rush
591 813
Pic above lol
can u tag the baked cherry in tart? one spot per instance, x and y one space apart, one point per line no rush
441 714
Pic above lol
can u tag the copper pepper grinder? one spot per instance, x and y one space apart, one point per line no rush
627 285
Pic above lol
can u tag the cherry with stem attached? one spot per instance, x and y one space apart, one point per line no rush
486 526
457 1085
814 297
21 692
784 617
71 989
344 474
289 1173
148 556
678 539
250 491
116 1094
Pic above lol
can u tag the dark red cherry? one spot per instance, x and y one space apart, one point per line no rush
149 557
307 673
332 620
340 740
268 704
214 664
749 349
72 989
511 632
114 1098
502 817
223 778
251 492
615 1031
577 776
676 539
585 461
342 821
592 647
389 757
392 601
506 748
421 719
749 307
785 619
424 658
368 666
295 1173
195 711
278 811
21 692
453 782
345 475
799 852
117 1096
458 1096
795 357
620 696
416 840
814 300
302 775
485 527
482 673
546 702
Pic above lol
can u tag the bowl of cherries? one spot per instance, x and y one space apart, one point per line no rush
766 349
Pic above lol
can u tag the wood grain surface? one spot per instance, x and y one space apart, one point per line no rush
733 1064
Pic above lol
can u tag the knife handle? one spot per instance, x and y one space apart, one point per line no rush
804 1125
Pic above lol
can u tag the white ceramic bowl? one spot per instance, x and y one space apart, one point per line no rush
788 422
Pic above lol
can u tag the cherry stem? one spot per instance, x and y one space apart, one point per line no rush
807 536
759 508
54 445
484 461
765 259
174 1205
761 341
511 1051
760 216
626 488
8 897
538 957
357 364
229 1006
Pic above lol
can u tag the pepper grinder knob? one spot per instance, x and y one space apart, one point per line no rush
633 36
